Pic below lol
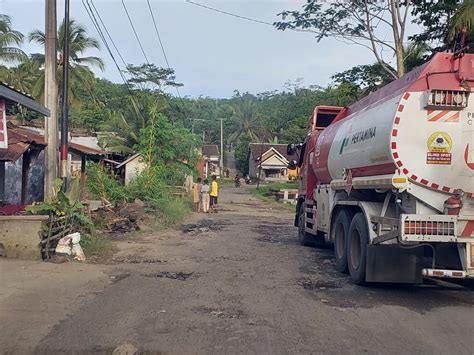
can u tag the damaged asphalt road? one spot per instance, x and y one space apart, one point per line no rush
235 282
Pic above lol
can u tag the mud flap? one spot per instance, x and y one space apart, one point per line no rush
391 263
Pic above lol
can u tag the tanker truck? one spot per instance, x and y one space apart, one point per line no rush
389 180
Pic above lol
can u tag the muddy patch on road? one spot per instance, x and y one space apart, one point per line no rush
202 228
311 284
135 259
181 276
276 233
223 313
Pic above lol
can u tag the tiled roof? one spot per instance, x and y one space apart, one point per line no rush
256 149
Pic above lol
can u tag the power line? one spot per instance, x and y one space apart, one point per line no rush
134 31
158 33
161 45
90 12
108 34
230 14
272 24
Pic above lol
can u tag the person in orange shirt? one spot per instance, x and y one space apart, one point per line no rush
214 193
197 196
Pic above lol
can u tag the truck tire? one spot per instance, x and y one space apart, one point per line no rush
303 237
341 231
358 239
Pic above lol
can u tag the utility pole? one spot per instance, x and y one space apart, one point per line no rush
222 149
65 103
50 99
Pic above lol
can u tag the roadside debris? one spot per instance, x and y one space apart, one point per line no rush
124 218
69 246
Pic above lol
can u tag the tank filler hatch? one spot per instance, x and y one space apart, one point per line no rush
323 116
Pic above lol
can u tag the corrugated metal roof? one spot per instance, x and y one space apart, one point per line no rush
13 95
20 139
14 151
128 160
80 149
210 150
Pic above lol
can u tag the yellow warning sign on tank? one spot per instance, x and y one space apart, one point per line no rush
440 142
439 149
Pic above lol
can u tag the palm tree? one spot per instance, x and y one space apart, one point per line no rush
10 38
463 19
121 131
246 121
415 54
24 76
79 43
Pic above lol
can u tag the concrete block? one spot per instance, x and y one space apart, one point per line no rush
20 237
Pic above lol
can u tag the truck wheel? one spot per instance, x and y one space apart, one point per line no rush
340 232
302 235
357 248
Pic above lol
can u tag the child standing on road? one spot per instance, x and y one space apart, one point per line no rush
214 193
205 196
197 195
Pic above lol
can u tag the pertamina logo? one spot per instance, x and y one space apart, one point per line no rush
358 137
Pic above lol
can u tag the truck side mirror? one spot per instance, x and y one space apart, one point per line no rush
292 165
290 149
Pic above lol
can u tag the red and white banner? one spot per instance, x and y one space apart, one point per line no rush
3 125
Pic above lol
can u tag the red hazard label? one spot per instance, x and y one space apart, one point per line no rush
438 158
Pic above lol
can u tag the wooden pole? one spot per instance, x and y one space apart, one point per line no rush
50 99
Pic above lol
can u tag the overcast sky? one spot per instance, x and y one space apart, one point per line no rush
212 54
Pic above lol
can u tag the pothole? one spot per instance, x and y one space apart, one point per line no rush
276 233
181 276
225 313
312 285
204 227
136 260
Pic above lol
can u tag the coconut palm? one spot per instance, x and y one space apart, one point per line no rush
121 130
9 39
463 19
24 76
80 73
246 121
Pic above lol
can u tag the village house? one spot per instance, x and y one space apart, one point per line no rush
130 168
271 161
210 161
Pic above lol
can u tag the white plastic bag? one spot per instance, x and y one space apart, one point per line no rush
64 245
78 252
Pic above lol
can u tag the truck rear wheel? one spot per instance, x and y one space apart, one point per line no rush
341 230
358 239
302 235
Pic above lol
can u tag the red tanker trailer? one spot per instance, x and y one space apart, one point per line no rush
390 179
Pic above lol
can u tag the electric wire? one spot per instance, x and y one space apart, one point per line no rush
91 15
163 49
271 24
134 31
108 34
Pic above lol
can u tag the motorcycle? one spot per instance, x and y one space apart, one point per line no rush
237 182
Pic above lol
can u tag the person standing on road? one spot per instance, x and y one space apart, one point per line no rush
205 196
214 193
197 196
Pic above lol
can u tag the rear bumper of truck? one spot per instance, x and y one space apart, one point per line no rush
452 274
442 229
